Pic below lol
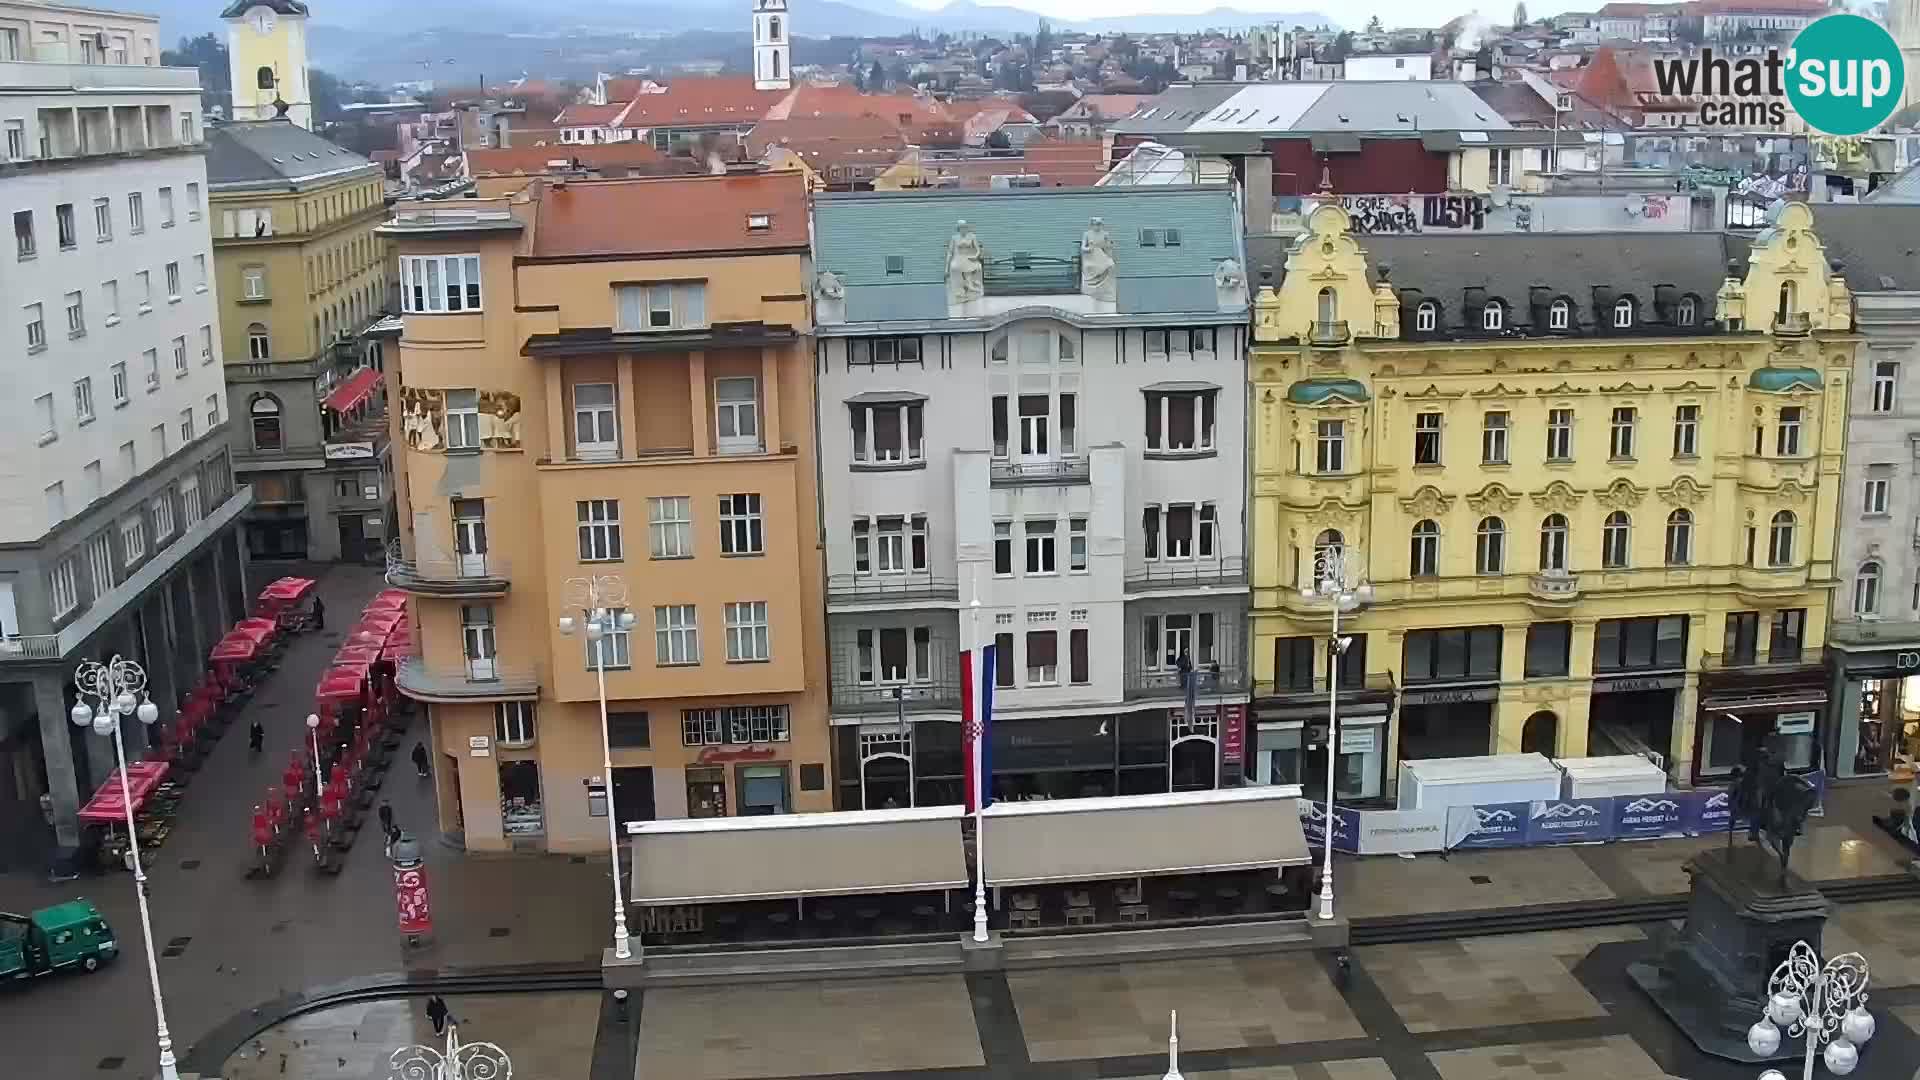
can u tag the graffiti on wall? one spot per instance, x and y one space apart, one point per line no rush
1398 215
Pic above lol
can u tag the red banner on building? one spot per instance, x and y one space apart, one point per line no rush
1233 734
410 893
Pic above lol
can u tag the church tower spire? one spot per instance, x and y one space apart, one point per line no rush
772 67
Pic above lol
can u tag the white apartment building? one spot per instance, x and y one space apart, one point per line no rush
1034 399
64 33
116 494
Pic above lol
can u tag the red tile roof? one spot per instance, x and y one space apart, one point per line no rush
533 160
695 100
589 115
1068 163
824 142
845 100
675 216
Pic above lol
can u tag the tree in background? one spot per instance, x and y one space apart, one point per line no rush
1043 41
1520 15
1373 25
208 54
876 78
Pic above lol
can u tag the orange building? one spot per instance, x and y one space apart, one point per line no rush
612 379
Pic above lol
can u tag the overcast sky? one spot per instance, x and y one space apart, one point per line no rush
1350 12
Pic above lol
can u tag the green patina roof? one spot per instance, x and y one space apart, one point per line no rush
855 234
1315 391
1784 378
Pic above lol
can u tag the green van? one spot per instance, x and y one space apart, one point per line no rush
62 936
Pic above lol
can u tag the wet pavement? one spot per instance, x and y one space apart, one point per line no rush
546 1036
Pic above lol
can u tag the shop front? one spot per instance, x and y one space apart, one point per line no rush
1447 721
1871 729
1634 714
1743 710
1290 741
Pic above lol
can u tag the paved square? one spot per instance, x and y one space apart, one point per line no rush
1885 932
1833 852
1224 1003
1356 1069
798 1029
544 1034
1377 886
1655 868
1615 1057
1516 978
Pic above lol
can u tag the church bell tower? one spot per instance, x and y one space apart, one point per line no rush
772 68
267 58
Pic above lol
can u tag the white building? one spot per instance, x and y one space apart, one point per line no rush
1059 436
116 497
772 51
1388 67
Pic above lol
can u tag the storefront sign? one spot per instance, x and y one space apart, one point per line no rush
1906 660
1451 696
1649 815
714 755
1397 832
479 746
1639 684
1233 734
1359 740
1570 821
1794 723
349 451
1488 825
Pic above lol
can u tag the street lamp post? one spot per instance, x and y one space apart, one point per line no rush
119 686
1337 583
1824 1002
313 736
597 597
459 1061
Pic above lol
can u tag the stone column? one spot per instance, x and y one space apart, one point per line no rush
50 700
1843 718
1390 663
1510 712
163 683
697 404
770 433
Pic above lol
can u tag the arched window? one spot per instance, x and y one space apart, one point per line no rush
773 34
776 66
1687 312
1560 315
1426 549
1329 309
265 409
259 344
1493 316
1866 589
1680 538
1616 540
1780 540
1426 317
1553 542
1623 313
1329 549
1789 301
263 78
1541 734
1490 546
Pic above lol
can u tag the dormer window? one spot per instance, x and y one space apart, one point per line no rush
1623 314
1329 307
1789 300
759 222
1685 313
1560 316
1427 317
1492 317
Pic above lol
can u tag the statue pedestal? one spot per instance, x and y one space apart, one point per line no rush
1710 978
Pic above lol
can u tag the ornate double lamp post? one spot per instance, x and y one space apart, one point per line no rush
459 1061
598 599
1337 583
1826 1003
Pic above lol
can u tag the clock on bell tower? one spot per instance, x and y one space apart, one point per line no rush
267 54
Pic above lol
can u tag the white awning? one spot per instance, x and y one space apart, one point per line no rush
1189 832
712 860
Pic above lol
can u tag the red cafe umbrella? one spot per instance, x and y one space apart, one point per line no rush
233 649
388 600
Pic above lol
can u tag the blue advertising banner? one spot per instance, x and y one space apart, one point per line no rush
1709 812
1570 821
1643 816
1489 825
1346 826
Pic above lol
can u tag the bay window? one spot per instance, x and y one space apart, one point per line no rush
439 284
888 432
1180 421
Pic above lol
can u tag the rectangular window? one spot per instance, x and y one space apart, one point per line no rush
143 286
1040 545
162 508
100 564
63 224
133 539
179 356
1035 419
629 730
1787 636
1876 495
670 305
1471 652
512 720
676 638
253 283
1686 431
1654 642
1180 422
186 426
1493 439
103 220
917 542
1330 451
890 544
1549 649
736 420
36 328
213 411
463 419
1000 426
597 522
747 634
1293 663
110 300
150 360
1501 165
119 381
1043 658
1886 384
193 199
23 242
83 401
1003 549
1077 545
16 129
1621 433
1077 669
43 411
136 212
173 280
883 352
76 316
166 208
887 433
439 284
200 273
1426 438
1003 661
741 530
1786 441
863 546
614 647
1179 539
596 430
63 590
1150 528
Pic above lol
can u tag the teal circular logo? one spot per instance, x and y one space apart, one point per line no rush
1844 75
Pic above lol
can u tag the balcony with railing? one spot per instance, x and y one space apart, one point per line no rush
1213 679
1183 575
1374 682
1021 274
479 575
890 588
471 680
1021 473
1792 324
1773 659
1330 332
1554 586
29 648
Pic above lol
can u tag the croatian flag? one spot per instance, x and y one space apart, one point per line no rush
976 709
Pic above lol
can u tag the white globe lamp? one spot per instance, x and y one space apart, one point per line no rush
1763 1039
1857 1026
1842 1056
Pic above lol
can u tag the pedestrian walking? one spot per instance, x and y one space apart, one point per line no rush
420 759
256 737
386 825
437 1013
319 614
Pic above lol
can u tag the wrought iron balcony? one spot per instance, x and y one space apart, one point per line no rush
1330 333
1176 575
1021 274
475 680
37 648
885 588
882 681
459 575
1317 686
1772 659
1072 470
1212 680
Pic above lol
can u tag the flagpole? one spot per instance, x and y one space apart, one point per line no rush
979 765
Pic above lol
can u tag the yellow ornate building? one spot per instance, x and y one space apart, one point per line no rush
1590 478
